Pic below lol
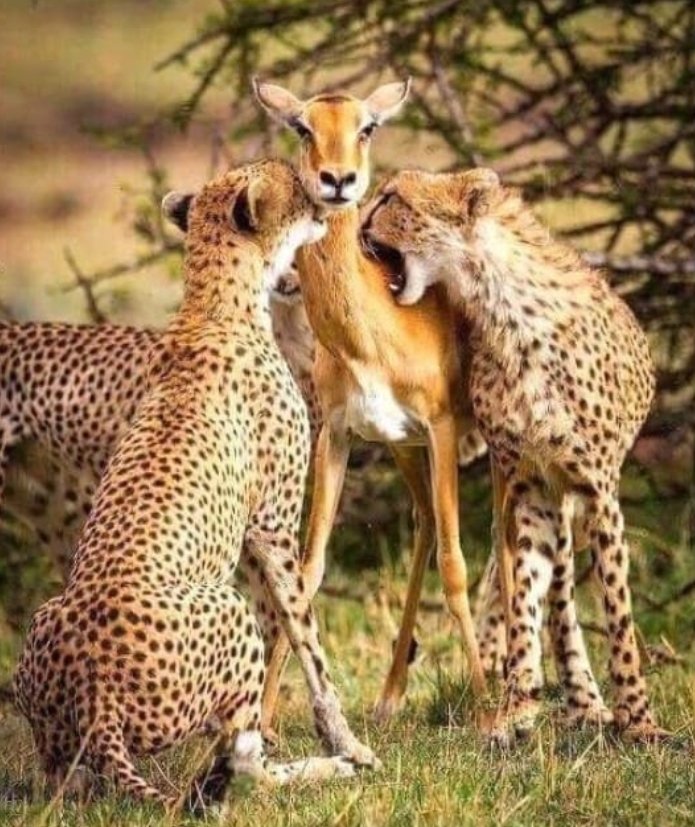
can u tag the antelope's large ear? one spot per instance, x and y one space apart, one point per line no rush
476 188
247 208
387 100
175 207
278 102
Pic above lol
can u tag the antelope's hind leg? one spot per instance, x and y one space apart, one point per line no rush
413 464
450 559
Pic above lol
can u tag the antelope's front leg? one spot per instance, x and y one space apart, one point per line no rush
277 552
331 458
452 566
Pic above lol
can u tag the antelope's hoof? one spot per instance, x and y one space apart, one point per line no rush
270 739
386 709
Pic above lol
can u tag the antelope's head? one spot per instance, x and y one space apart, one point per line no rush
335 131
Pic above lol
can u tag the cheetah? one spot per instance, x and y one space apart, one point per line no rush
74 389
148 643
561 383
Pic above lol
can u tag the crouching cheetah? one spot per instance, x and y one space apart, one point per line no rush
148 643
561 383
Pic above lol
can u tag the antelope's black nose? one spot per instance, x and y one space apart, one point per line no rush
337 181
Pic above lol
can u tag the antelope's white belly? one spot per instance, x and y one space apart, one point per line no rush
373 412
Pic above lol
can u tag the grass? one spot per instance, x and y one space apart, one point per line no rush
437 771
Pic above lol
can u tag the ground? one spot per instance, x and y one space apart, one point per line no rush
436 771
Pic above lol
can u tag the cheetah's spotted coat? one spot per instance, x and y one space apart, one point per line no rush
74 389
148 642
561 383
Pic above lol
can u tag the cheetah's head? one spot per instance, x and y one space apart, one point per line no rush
425 224
259 209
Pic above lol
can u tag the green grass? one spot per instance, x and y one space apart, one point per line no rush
437 770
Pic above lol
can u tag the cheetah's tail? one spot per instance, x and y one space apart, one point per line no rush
110 757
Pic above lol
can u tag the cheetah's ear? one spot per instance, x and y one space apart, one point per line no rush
278 102
247 207
477 187
175 207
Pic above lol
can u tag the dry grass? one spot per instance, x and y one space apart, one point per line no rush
436 769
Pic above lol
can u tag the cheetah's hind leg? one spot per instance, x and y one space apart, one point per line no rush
633 715
6 442
108 756
490 621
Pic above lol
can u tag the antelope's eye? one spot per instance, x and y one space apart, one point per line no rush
303 131
367 131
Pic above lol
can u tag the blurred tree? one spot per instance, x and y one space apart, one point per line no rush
585 104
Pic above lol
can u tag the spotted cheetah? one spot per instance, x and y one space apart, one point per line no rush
561 383
148 643
75 388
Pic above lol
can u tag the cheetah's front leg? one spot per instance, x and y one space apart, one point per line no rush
583 696
278 554
330 463
536 522
490 621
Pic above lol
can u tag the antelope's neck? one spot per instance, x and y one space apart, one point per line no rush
346 298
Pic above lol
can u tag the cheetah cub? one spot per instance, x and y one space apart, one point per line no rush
149 643
561 383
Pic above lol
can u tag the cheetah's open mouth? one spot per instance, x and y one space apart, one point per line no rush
287 288
389 258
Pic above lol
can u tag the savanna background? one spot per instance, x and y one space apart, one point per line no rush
590 107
